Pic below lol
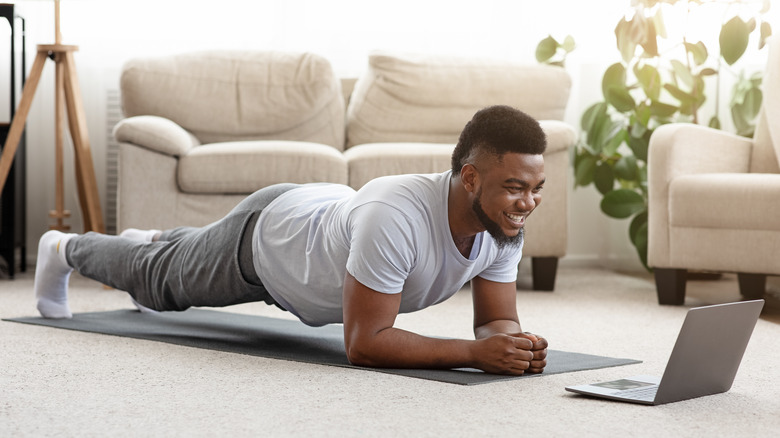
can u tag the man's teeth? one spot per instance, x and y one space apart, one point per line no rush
515 217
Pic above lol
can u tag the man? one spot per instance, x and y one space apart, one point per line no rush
329 254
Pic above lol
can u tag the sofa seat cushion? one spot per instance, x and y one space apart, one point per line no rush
749 201
243 167
369 161
424 98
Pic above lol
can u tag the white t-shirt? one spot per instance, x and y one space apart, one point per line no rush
392 235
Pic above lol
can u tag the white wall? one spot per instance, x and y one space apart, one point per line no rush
109 32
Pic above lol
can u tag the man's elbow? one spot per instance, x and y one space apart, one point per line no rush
359 355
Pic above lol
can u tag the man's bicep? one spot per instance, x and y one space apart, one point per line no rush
493 301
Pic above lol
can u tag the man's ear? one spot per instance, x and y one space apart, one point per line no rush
469 177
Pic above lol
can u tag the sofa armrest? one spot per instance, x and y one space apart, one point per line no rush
680 149
156 134
560 136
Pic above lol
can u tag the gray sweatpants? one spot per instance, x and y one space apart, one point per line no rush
209 266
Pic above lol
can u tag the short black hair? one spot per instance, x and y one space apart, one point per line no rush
498 130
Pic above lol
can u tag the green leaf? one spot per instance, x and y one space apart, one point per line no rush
620 98
625 44
766 32
682 73
642 113
733 39
661 109
650 80
599 131
698 51
603 178
592 114
752 103
684 97
650 43
639 145
615 76
627 169
583 172
698 90
635 228
639 236
622 203
613 139
568 44
714 122
546 49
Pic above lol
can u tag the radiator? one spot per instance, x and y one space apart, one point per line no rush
113 116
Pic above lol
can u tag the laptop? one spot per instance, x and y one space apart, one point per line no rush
704 359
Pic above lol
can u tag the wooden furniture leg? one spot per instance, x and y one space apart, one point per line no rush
670 285
752 286
543 271
59 213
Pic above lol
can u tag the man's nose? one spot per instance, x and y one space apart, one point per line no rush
526 201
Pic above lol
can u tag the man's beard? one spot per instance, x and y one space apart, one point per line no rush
493 228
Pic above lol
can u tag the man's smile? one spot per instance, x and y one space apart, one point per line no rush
517 219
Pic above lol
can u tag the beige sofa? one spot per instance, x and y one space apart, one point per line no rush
203 130
715 199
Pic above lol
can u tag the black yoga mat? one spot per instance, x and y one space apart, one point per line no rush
279 339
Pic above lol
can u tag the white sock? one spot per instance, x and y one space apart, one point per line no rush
52 273
143 236
142 309
140 235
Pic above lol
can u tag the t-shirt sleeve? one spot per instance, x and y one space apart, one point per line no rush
383 247
504 268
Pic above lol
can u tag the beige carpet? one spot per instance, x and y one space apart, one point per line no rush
57 382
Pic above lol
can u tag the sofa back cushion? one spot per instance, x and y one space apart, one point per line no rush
239 95
423 98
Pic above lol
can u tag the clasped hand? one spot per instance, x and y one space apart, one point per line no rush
515 353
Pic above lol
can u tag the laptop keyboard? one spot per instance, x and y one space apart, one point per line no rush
643 393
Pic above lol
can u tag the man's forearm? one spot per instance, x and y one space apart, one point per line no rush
397 348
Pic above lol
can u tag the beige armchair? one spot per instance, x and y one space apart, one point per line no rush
715 199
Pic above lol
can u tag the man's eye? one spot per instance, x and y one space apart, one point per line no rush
538 189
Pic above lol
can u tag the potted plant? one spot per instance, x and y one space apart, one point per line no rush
660 78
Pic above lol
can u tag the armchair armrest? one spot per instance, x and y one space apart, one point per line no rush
684 148
156 134
680 149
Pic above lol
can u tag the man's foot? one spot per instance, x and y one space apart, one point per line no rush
142 236
52 273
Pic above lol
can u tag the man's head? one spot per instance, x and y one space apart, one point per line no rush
498 130
499 161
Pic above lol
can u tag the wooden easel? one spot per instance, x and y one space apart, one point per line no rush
68 96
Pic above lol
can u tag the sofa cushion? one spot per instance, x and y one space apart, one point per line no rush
424 98
725 201
243 167
369 161
239 95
